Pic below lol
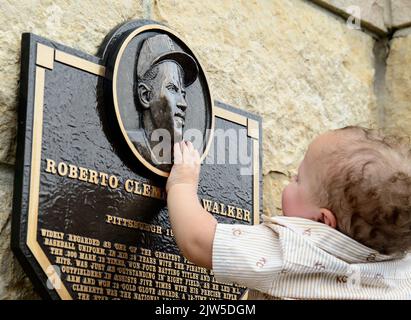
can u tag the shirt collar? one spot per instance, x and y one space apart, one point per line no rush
330 240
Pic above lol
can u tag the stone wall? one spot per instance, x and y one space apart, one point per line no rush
397 111
294 63
374 14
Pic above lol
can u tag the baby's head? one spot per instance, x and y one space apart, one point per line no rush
357 181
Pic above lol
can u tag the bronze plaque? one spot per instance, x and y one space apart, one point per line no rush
89 216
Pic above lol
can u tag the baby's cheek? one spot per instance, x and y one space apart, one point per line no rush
286 200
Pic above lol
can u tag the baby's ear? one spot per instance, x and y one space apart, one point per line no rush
328 218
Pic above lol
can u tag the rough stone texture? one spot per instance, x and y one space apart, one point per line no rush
298 67
375 13
401 13
398 81
13 282
294 64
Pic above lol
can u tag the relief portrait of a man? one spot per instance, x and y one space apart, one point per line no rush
163 73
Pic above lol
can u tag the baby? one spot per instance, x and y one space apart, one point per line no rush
345 233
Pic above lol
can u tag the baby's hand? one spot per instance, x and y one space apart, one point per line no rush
186 168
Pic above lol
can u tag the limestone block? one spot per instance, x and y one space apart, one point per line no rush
401 13
14 284
374 14
398 80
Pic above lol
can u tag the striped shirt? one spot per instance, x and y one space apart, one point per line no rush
296 258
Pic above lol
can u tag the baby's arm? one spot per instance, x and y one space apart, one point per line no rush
192 225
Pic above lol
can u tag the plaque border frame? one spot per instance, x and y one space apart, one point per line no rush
44 60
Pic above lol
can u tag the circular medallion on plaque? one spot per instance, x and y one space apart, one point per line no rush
160 93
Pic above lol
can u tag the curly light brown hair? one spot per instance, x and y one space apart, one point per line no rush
368 188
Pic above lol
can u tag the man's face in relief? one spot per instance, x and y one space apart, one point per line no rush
163 99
